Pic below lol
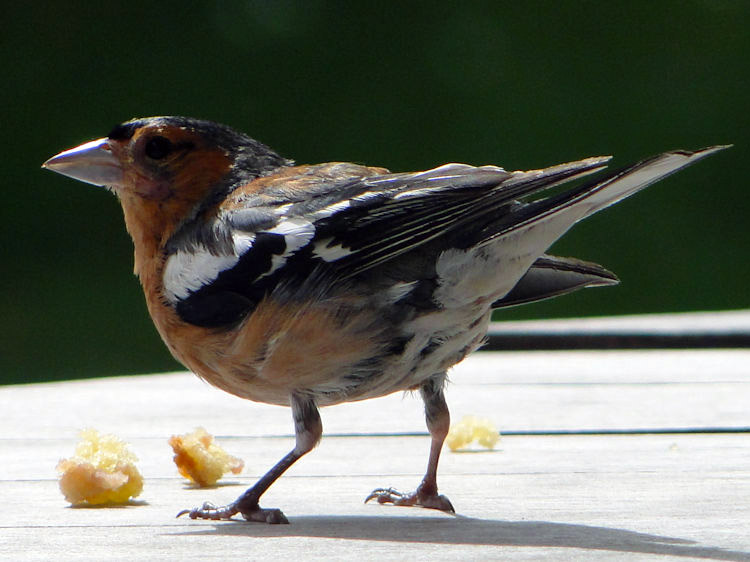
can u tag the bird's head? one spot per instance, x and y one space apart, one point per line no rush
165 169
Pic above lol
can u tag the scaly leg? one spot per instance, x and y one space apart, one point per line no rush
438 423
308 430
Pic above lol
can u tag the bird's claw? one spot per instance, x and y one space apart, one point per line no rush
224 513
210 511
414 499
385 495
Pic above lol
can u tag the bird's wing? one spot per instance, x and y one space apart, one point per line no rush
399 213
408 211
354 219
342 219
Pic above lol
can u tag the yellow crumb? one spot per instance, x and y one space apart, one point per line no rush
472 429
101 471
201 460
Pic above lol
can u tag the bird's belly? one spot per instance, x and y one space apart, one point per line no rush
334 361
436 342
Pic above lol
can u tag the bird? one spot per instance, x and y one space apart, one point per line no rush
312 285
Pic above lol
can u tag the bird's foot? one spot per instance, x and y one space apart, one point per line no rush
413 499
210 511
251 512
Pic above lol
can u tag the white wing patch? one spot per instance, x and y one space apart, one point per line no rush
242 243
185 272
332 253
297 232
330 210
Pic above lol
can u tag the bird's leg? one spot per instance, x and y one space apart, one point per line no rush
308 430
438 422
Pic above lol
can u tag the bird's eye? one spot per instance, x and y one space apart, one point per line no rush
158 147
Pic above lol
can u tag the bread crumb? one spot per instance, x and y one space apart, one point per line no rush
472 429
102 471
200 460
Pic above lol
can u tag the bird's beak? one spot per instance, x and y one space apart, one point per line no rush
92 162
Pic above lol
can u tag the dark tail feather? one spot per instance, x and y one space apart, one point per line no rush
551 276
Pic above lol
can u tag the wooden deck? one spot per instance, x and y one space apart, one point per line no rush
614 454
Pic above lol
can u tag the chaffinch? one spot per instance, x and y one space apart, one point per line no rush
312 285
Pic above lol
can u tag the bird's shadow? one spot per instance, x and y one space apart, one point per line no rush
468 531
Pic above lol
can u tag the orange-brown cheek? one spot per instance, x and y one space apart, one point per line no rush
199 172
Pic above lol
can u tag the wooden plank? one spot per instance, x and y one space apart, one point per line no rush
561 497
689 330
713 322
579 497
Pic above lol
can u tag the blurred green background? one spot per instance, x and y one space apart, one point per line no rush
406 85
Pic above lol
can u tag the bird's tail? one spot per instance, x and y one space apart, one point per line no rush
599 193
552 276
